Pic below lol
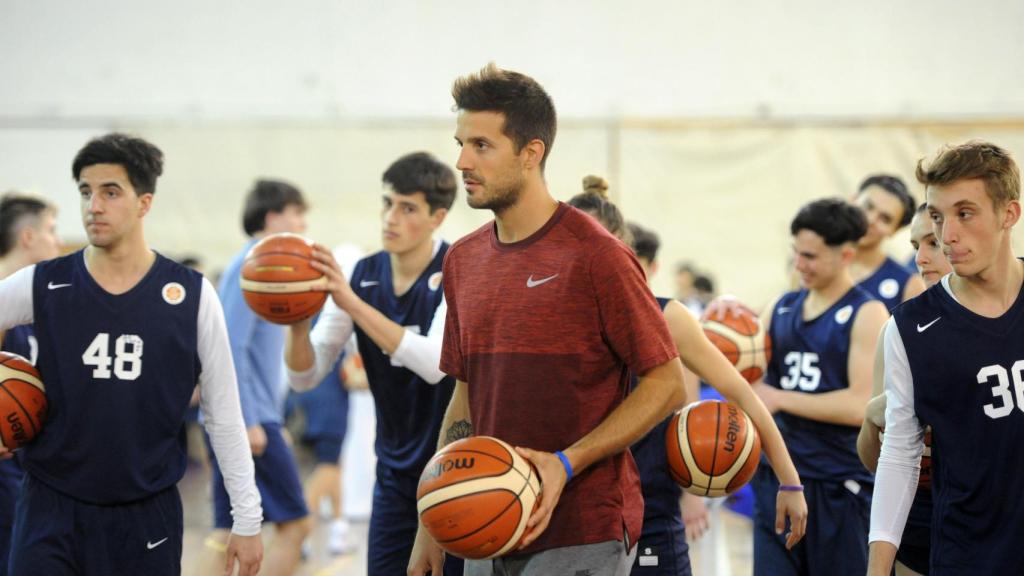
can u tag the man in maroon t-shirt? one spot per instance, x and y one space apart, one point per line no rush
547 313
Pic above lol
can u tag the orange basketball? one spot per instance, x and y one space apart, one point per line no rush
475 496
712 447
278 280
22 401
743 340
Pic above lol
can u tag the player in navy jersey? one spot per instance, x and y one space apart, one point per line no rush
395 305
888 207
124 335
915 547
28 234
271 207
662 547
817 383
953 361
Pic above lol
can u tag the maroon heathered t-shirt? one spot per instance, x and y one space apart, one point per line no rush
545 331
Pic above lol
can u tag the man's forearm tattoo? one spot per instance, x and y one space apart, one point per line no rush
458 431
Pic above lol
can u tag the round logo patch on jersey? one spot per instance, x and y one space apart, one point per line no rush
843 314
173 293
889 288
434 282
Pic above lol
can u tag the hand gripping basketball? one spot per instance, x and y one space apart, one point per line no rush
475 497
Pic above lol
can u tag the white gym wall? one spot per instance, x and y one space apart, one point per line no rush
713 121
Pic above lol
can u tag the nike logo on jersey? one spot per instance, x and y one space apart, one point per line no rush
151 545
52 286
783 310
928 325
531 283
368 283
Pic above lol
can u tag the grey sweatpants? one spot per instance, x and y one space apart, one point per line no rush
601 559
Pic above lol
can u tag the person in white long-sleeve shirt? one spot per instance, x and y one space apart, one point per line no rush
395 305
124 334
953 359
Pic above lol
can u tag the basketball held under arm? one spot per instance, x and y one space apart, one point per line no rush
708 362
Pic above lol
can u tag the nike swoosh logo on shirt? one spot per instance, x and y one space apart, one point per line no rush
783 310
52 286
151 545
531 283
367 283
928 325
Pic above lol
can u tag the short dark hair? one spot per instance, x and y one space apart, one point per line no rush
15 210
142 161
529 111
971 160
834 219
893 185
704 283
645 242
421 172
265 197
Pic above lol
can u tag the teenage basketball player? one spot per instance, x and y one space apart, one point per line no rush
547 313
395 305
817 383
124 334
271 207
888 207
953 361
662 548
28 235
915 547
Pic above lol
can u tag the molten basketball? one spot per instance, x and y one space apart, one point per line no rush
475 496
712 448
278 280
22 401
743 340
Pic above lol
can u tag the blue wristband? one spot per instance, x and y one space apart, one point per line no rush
566 465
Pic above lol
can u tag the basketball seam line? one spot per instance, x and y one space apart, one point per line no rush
714 453
22 406
489 522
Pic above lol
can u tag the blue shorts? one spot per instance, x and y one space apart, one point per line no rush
11 475
662 549
836 542
326 450
56 535
393 524
277 477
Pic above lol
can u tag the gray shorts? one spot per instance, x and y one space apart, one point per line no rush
601 559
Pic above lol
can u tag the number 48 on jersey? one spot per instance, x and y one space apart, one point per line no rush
127 359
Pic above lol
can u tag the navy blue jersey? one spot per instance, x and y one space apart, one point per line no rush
119 373
967 372
21 340
409 410
811 356
661 493
887 283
